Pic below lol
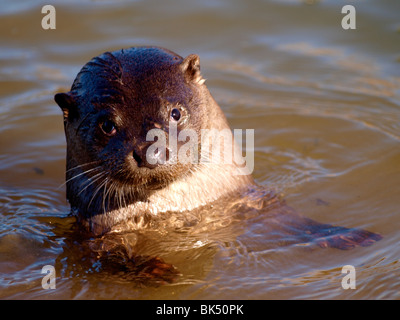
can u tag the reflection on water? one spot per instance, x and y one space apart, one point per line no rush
325 106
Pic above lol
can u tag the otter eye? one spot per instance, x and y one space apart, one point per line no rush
175 114
108 127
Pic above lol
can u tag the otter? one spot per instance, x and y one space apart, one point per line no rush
114 184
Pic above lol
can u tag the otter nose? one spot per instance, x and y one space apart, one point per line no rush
147 159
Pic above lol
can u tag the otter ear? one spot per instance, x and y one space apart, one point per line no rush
190 67
67 104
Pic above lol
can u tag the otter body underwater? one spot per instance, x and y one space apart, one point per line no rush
112 184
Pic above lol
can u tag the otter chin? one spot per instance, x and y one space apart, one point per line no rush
115 183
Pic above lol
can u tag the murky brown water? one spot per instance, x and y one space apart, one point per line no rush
325 106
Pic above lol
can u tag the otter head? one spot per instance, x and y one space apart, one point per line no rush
115 101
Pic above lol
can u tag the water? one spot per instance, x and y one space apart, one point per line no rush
325 106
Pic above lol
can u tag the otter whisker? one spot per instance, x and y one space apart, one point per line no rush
111 192
121 191
92 180
96 191
115 194
105 195
114 189
78 175
82 165
123 197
